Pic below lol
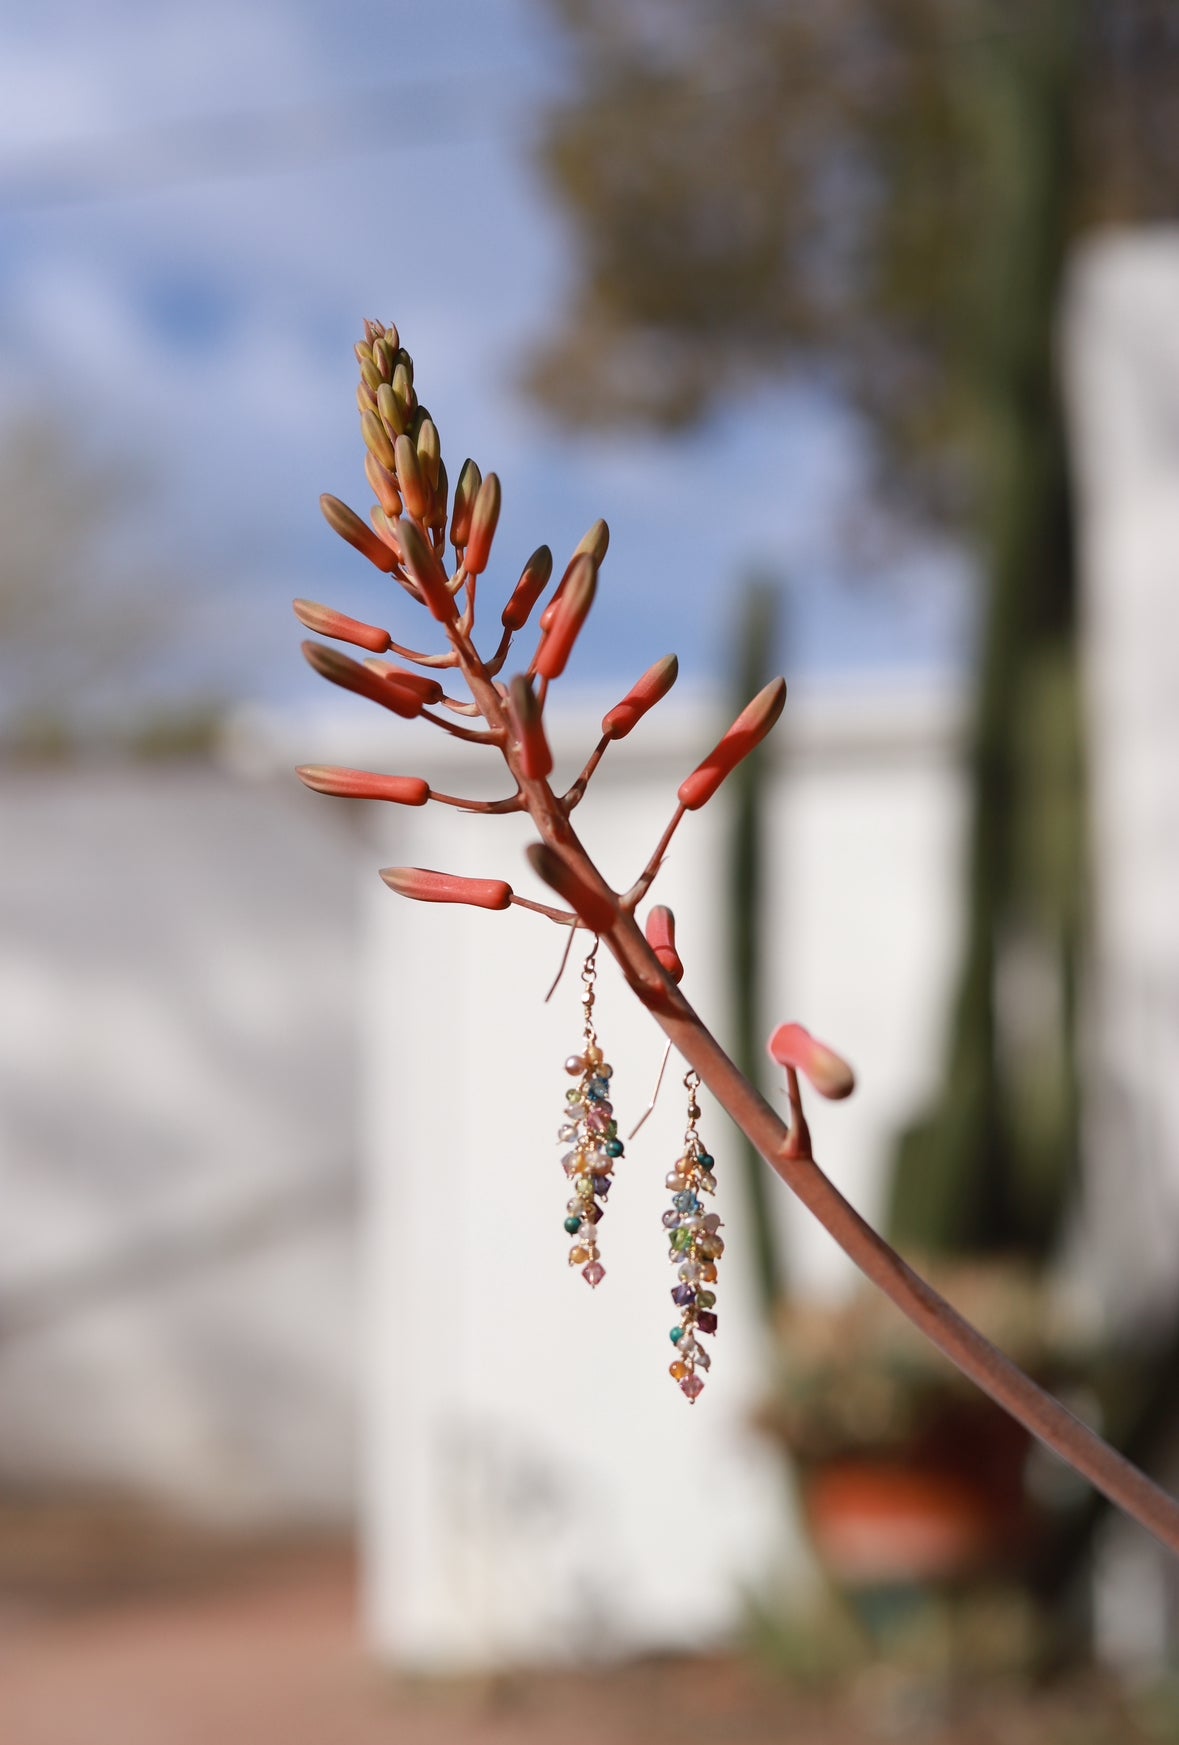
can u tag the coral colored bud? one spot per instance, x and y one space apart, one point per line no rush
351 675
572 610
383 358
349 526
429 447
595 542
535 756
402 385
365 398
747 731
429 690
328 622
438 887
596 908
661 939
650 689
484 519
384 485
533 581
409 477
423 565
391 334
361 784
392 410
465 492
362 351
370 374
376 439
791 1045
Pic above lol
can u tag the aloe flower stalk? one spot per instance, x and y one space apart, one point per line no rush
404 466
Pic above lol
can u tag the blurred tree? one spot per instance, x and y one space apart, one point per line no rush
78 619
884 191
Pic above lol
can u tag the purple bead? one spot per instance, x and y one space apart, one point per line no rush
693 1387
706 1321
671 1220
593 1274
602 1186
683 1295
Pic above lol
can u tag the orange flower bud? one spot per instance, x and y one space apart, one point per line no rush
349 526
747 731
650 689
376 439
429 690
595 908
792 1046
661 938
532 584
572 610
384 485
359 784
328 622
484 519
438 887
465 493
392 411
423 565
595 542
535 756
350 675
409 476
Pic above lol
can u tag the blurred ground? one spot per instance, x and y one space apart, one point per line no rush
145 1633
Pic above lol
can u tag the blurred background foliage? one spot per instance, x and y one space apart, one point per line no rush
881 195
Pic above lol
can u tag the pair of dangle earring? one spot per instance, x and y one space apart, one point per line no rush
591 1132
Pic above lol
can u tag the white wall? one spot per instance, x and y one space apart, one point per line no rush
535 1481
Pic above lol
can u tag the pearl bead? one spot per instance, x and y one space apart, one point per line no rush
575 1064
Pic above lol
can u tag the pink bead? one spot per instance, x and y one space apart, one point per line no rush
596 1121
593 1274
691 1384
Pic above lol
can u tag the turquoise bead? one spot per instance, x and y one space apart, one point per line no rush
613 1148
573 1225
676 1335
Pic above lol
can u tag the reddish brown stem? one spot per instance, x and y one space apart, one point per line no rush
514 803
647 877
573 797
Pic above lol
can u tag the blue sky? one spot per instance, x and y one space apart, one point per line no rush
200 204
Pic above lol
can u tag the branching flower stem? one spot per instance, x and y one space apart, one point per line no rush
788 1153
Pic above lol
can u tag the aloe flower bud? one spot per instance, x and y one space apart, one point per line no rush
349 526
535 756
649 690
359 784
384 485
660 932
465 493
792 1046
429 449
351 675
427 572
534 579
747 732
326 621
595 542
572 611
392 410
437 887
409 477
428 689
484 519
376 440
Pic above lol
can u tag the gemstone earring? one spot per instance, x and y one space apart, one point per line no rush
591 1132
696 1246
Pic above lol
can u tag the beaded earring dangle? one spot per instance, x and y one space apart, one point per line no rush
591 1132
696 1246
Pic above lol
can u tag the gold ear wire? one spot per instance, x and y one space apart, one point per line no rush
650 1109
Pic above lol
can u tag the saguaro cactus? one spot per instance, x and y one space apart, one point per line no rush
408 543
